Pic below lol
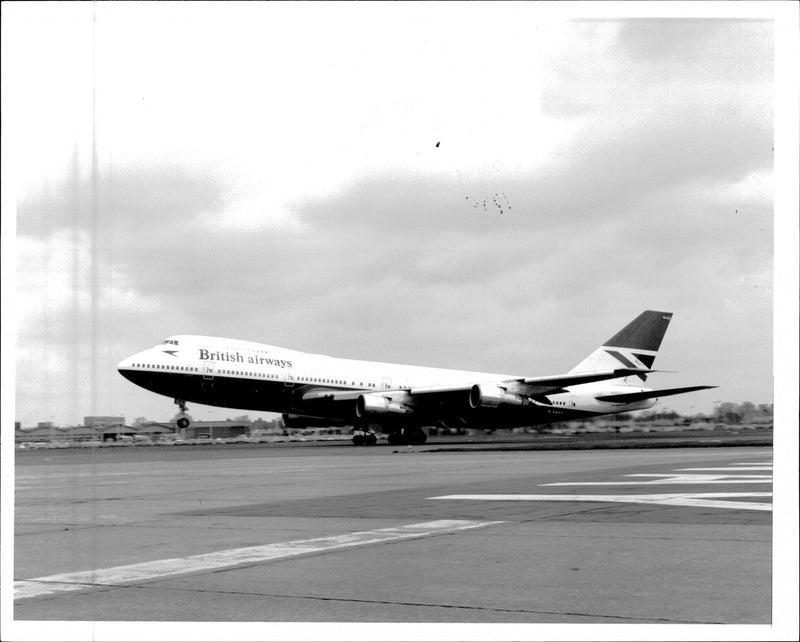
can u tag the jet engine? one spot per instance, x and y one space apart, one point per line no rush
492 396
378 405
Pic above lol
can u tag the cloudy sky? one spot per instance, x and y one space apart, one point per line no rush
466 186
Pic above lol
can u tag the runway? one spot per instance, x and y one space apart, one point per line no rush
400 534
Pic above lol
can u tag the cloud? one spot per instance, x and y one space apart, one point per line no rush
123 199
258 188
715 49
69 308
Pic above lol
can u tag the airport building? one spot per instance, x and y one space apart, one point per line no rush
113 429
95 431
229 428
216 429
103 421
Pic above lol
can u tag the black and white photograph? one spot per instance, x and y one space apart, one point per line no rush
399 321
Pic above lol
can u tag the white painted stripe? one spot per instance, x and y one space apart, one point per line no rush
707 500
157 569
672 478
704 500
732 468
33 588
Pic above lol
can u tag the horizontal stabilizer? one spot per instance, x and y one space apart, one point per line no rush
630 397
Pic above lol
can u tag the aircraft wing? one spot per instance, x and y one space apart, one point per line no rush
552 385
630 397
528 386
538 385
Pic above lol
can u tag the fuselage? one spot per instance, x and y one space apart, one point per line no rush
259 377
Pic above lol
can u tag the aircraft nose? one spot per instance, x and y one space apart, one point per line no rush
130 367
125 364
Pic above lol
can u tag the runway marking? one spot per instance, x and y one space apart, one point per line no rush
705 500
742 467
157 569
674 478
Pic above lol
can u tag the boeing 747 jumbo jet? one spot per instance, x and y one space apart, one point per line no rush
317 390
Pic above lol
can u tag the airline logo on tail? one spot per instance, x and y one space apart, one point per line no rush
635 346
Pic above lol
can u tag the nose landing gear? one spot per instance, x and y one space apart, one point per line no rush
183 419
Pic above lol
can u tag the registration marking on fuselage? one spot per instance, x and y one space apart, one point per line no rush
159 569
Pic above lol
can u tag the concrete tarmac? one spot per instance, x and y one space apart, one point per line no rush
394 534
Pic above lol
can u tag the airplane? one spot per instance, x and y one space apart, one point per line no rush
318 390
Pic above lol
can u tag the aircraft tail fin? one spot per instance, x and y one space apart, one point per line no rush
635 346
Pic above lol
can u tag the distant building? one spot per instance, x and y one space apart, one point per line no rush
150 429
45 431
261 427
93 422
217 429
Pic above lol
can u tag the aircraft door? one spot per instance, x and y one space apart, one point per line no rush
208 369
387 383
289 380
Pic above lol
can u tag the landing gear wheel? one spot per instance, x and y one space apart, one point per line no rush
418 437
183 420
395 438
363 435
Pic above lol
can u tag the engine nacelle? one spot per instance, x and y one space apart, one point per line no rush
492 396
378 405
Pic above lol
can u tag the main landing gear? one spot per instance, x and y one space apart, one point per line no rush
364 436
183 420
408 436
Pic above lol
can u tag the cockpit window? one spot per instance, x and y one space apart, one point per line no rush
171 342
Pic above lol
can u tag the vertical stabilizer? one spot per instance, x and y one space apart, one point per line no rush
635 346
